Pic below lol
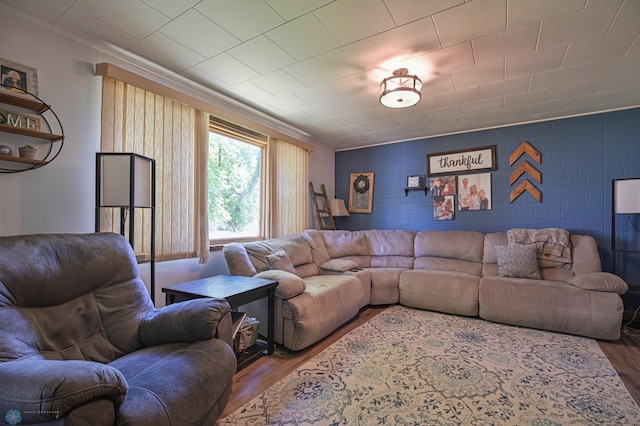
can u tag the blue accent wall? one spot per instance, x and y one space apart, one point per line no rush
580 158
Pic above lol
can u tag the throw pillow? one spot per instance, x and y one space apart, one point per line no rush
518 261
280 260
339 265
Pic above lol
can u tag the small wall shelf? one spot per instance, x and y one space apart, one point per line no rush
416 188
48 138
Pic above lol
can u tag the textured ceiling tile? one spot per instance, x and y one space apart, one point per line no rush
354 20
261 54
278 81
612 67
459 97
89 28
292 9
522 12
591 50
535 62
503 45
480 18
314 70
159 48
404 11
171 8
559 77
131 16
590 23
244 19
303 37
576 90
188 30
505 88
227 68
482 74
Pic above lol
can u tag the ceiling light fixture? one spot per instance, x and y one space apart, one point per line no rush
400 90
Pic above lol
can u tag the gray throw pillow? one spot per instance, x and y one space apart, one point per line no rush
280 260
518 261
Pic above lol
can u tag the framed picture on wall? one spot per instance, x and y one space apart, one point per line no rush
443 207
474 192
17 79
361 193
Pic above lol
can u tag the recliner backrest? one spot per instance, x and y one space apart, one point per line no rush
69 296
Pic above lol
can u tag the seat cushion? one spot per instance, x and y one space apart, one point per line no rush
328 302
551 305
177 383
442 291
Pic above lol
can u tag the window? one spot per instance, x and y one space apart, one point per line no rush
142 116
236 182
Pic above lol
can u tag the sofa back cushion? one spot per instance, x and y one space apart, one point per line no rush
350 245
295 246
585 255
459 251
390 248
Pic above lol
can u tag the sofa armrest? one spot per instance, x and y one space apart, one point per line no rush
44 390
599 281
187 321
289 285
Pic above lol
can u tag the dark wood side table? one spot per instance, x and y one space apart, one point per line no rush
234 289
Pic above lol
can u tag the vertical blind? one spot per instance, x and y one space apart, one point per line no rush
290 194
139 121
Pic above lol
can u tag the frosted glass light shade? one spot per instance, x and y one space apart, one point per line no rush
125 180
400 90
338 207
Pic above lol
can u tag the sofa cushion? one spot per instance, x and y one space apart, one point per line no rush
518 261
289 285
279 260
339 265
390 242
551 305
237 259
295 246
585 257
599 281
442 291
461 245
351 245
328 302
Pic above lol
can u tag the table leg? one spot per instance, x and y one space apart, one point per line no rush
271 321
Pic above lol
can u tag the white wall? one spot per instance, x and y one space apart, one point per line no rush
59 197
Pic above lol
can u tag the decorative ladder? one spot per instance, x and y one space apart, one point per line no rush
325 219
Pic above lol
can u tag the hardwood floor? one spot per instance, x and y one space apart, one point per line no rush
624 355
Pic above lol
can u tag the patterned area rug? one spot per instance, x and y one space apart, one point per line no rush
413 367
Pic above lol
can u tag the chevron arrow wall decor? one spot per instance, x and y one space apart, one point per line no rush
525 167
525 148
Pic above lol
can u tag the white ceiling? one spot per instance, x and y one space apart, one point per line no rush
317 64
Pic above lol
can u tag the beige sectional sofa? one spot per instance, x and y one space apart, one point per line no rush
326 277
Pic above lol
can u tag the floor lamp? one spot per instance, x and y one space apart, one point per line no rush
127 181
626 200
